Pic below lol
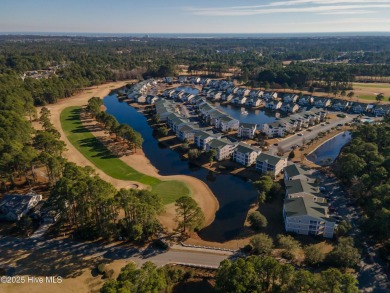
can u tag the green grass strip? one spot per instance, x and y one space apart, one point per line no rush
375 86
87 144
368 97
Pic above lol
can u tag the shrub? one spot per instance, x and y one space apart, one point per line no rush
162 131
261 244
108 274
101 268
313 256
175 275
288 243
287 254
194 153
257 220
291 155
189 274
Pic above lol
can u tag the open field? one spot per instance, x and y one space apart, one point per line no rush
364 92
368 97
97 153
372 85
379 79
368 91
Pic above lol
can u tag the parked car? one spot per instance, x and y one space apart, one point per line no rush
300 134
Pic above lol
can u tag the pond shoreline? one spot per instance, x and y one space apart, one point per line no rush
234 194
332 156
324 142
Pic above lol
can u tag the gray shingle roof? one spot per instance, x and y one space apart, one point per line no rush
244 149
269 159
303 206
216 113
227 118
188 128
203 134
299 185
15 203
247 125
218 143
295 170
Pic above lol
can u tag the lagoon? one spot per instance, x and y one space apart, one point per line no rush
328 152
234 194
254 116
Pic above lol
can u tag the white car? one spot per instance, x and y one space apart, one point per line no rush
300 134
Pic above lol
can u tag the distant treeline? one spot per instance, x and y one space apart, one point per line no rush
83 61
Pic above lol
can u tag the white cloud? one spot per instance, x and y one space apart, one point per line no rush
348 12
308 2
325 2
229 11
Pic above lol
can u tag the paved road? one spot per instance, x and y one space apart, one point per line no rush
286 143
372 275
41 257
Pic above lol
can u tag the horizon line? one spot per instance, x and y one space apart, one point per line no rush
129 34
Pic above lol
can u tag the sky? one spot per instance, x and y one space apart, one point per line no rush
195 16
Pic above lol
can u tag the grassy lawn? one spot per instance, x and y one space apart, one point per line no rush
103 159
370 85
368 97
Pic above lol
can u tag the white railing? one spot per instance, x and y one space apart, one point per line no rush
209 247
192 265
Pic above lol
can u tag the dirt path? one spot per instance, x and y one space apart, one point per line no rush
199 190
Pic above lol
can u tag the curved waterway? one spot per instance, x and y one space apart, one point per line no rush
325 154
233 193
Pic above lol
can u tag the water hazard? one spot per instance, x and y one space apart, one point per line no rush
233 193
330 150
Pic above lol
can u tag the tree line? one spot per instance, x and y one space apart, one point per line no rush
251 274
82 61
84 201
92 205
364 165
23 149
124 131
266 274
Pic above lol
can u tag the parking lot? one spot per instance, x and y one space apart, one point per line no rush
372 275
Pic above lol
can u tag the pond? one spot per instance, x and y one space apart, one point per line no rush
234 194
188 90
254 116
330 150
